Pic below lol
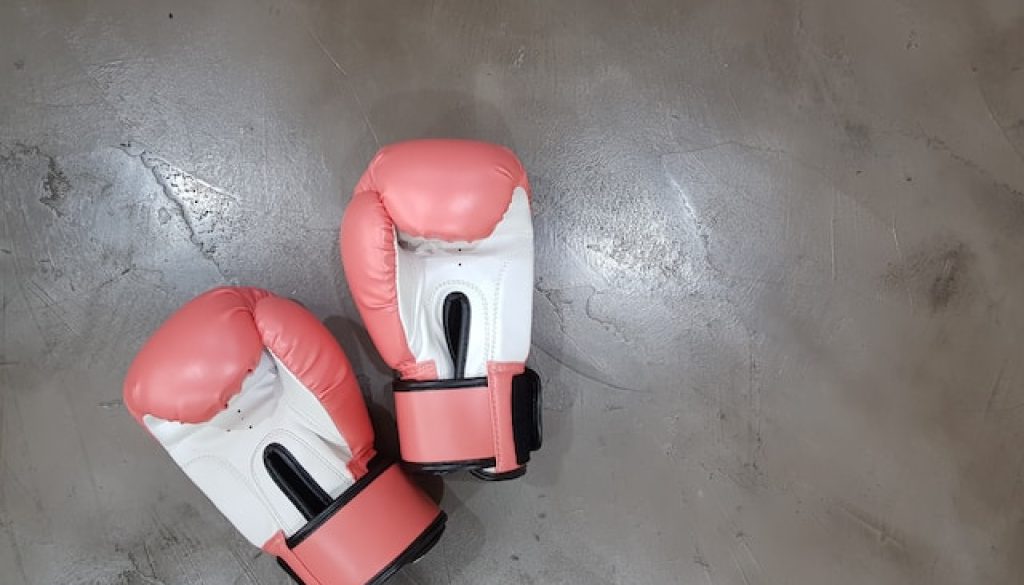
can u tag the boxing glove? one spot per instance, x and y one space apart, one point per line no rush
254 400
437 246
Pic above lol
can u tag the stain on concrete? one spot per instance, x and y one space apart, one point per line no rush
912 42
858 136
56 185
55 182
948 281
940 274
163 215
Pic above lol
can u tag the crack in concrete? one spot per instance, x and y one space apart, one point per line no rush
148 579
941 146
558 305
1002 129
576 370
607 325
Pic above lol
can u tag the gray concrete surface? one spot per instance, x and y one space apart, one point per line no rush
778 307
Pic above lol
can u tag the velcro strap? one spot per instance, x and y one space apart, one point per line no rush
527 414
367 532
444 424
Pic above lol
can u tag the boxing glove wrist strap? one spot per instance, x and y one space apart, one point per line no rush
469 423
366 534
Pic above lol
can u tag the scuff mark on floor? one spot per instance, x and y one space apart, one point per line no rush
117 403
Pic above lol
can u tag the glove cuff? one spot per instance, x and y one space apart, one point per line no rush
380 524
490 424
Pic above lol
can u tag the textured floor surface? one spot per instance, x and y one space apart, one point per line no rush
778 310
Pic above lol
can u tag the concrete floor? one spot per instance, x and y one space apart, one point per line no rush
778 308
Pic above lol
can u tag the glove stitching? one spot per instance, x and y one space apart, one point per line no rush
308 445
497 306
232 470
257 462
325 429
319 428
454 283
490 354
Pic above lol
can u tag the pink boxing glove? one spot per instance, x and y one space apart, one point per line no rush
437 245
254 400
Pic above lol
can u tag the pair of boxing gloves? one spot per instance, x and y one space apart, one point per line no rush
252 397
